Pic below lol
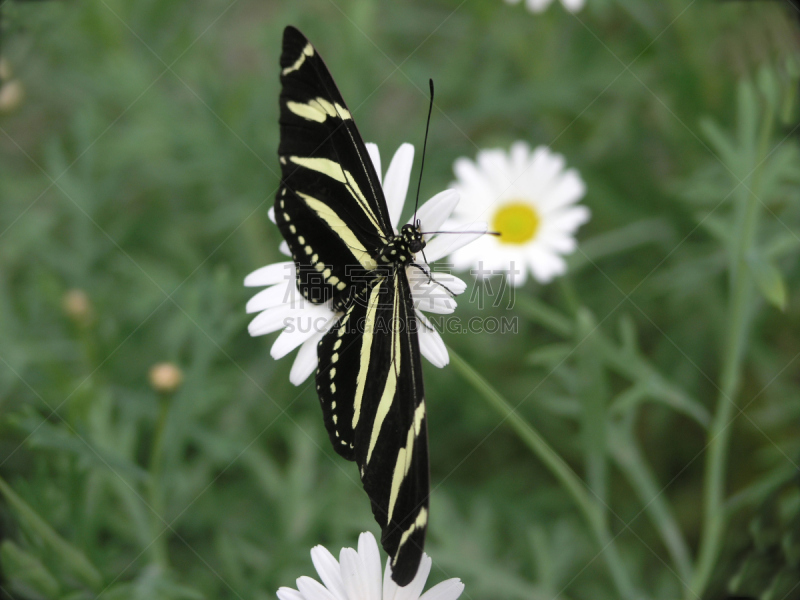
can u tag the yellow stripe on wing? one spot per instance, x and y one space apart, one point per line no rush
390 389
335 171
318 110
366 351
307 51
335 222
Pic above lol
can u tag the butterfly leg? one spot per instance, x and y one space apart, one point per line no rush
432 280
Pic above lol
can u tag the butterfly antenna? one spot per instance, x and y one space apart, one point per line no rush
424 146
495 233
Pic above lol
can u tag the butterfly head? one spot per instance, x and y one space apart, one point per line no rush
412 235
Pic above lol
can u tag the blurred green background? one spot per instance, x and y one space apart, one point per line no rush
137 168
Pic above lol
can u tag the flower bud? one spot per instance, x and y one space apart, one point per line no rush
11 95
77 306
165 377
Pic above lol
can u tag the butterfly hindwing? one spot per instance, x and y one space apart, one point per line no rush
369 383
392 444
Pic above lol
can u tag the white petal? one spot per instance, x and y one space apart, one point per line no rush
563 244
537 5
517 273
414 589
520 157
328 568
566 190
313 589
271 214
302 328
390 588
442 245
450 589
496 168
352 575
573 5
437 210
544 168
485 250
435 305
371 559
270 275
428 295
375 157
306 361
284 248
546 264
395 186
431 344
570 219
470 176
451 282
275 295
271 320
286 593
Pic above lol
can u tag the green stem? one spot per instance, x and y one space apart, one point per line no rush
559 468
592 387
632 463
720 431
159 553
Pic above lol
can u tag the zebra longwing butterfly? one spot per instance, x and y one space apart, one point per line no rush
332 212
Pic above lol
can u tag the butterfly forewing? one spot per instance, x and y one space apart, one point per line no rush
332 212
327 176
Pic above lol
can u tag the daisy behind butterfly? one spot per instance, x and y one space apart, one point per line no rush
281 306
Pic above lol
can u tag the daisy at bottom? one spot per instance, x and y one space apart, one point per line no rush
537 6
357 575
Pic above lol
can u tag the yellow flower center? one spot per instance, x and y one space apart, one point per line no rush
517 221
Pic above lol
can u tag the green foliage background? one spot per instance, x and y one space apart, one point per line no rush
139 169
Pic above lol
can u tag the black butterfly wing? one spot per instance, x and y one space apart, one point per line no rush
330 207
369 383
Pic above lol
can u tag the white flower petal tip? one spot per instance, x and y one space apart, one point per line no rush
271 297
303 329
431 344
537 6
270 275
450 589
395 184
286 593
305 363
450 282
329 571
358 575
436 211
530 198
455 239
375 157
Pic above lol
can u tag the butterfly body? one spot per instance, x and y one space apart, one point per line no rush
332 212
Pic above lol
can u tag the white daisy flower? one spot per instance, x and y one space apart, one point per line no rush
281 306
537 6
529 199
357 576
